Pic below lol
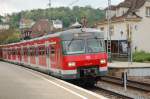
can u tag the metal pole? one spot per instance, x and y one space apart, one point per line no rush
118 47
131 57
108 25
109 31
125 80
49 4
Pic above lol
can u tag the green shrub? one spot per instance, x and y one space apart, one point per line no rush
141 56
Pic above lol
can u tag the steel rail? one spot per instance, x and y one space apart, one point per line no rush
130 83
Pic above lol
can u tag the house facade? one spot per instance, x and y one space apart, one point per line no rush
31 29
4 23
4 27
130 23
40 28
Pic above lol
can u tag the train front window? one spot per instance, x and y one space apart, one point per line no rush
95 45
74 47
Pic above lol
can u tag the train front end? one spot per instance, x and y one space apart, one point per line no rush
84 54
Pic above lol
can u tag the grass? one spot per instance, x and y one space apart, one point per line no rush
141 57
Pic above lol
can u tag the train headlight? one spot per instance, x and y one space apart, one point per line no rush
103 61
71 64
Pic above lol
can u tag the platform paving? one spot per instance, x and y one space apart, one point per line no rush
17 82
117 64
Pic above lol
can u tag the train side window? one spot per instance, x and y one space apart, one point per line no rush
32 51
52 50
25 50
41 50
14 52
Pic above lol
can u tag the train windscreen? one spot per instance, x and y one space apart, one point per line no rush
75 46
95 45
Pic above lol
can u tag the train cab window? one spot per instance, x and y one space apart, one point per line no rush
74 46
95 45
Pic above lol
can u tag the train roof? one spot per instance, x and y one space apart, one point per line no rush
57 34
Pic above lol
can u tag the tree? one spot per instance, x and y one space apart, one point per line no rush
9 36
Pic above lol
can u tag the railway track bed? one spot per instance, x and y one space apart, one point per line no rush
132 92
109 93
130 83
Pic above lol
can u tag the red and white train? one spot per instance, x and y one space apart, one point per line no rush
71 54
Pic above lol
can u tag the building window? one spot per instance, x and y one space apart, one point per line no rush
147 11
136 27
112 30
102 28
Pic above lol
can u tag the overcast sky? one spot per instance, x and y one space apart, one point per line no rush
9 6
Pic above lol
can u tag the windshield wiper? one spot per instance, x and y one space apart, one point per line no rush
96 38
70 42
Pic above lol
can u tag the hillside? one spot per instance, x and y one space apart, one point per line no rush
66 14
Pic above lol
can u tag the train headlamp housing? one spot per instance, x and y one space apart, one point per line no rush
103 61
71 64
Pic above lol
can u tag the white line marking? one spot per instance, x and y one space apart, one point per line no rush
58 85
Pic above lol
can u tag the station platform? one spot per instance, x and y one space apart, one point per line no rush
117 64
17 82
135 69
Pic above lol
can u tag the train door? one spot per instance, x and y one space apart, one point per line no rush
42 56
36 54
9 54
32 55
47 56
14 54
54 57
25 52
17 51
28 54
5 53
19 54
0 53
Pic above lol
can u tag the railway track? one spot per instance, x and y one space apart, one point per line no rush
132 84
105 92
111 94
